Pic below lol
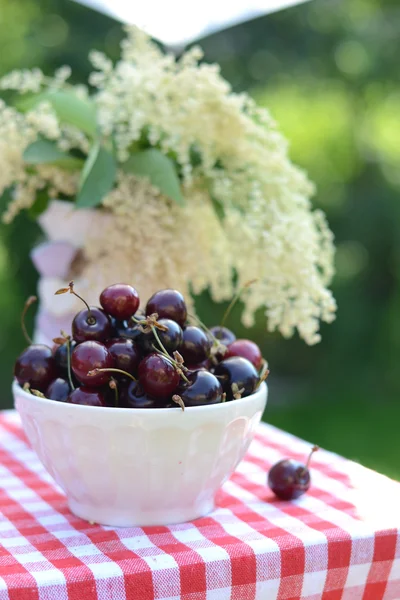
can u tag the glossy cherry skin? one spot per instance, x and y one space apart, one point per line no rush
170 339
168 304
125 354
88 356
127 329
195 346
239 371
132 395
246 349
289 479
120 300
223 335
61 356
157 376
203 388
59 390
87 396
36 366
95 325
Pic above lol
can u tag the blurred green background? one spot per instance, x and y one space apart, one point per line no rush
328 71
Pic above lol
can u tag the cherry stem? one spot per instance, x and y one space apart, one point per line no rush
31 300
313 449
72 291
111 370
235 299
71 383
167 356
113 385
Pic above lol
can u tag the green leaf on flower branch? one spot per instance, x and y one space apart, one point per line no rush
97 178
160 170
69 108
43 151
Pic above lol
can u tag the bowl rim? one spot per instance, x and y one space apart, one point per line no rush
261 391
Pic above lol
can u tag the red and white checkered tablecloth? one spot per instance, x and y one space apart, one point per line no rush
339 541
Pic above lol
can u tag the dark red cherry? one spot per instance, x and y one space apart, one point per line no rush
245 349
168 304
239 373
203 388
125 354
87 357
133 395
59 390
120 300
289 478
36 366
87 396
195 346
61 356
157 376
223 335
94 325
170 339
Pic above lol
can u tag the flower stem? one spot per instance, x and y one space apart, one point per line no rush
234 300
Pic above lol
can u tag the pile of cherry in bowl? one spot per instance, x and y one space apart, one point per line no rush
121 356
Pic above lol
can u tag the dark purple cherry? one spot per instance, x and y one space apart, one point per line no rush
89 356
125 354
61 356
223 335
170 339
87 396
289 478
36 366
203 388
120 300
127 328
246 349
91 325
195 346
157 376
133 395
168 304
237 376
59 390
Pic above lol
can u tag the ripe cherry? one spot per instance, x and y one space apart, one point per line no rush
133 395
59 390
36 366
125 354
157 376
170 339
203 388
91 324
61 356
289 478
127 328
223 335
87 396
245 349
120 300
168 304
87 357
238 377
195 346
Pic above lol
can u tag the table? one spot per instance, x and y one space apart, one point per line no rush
339 541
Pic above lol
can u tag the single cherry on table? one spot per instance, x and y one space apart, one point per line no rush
289 478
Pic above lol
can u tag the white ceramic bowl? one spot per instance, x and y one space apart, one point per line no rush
125 467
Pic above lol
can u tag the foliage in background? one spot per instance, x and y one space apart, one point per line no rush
329 72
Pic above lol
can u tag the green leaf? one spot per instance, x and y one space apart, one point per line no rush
218 208
69 108
98 176
159 169
40 205
44 151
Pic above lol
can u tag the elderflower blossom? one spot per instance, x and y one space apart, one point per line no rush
228 153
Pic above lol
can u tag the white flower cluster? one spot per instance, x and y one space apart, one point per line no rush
228 152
